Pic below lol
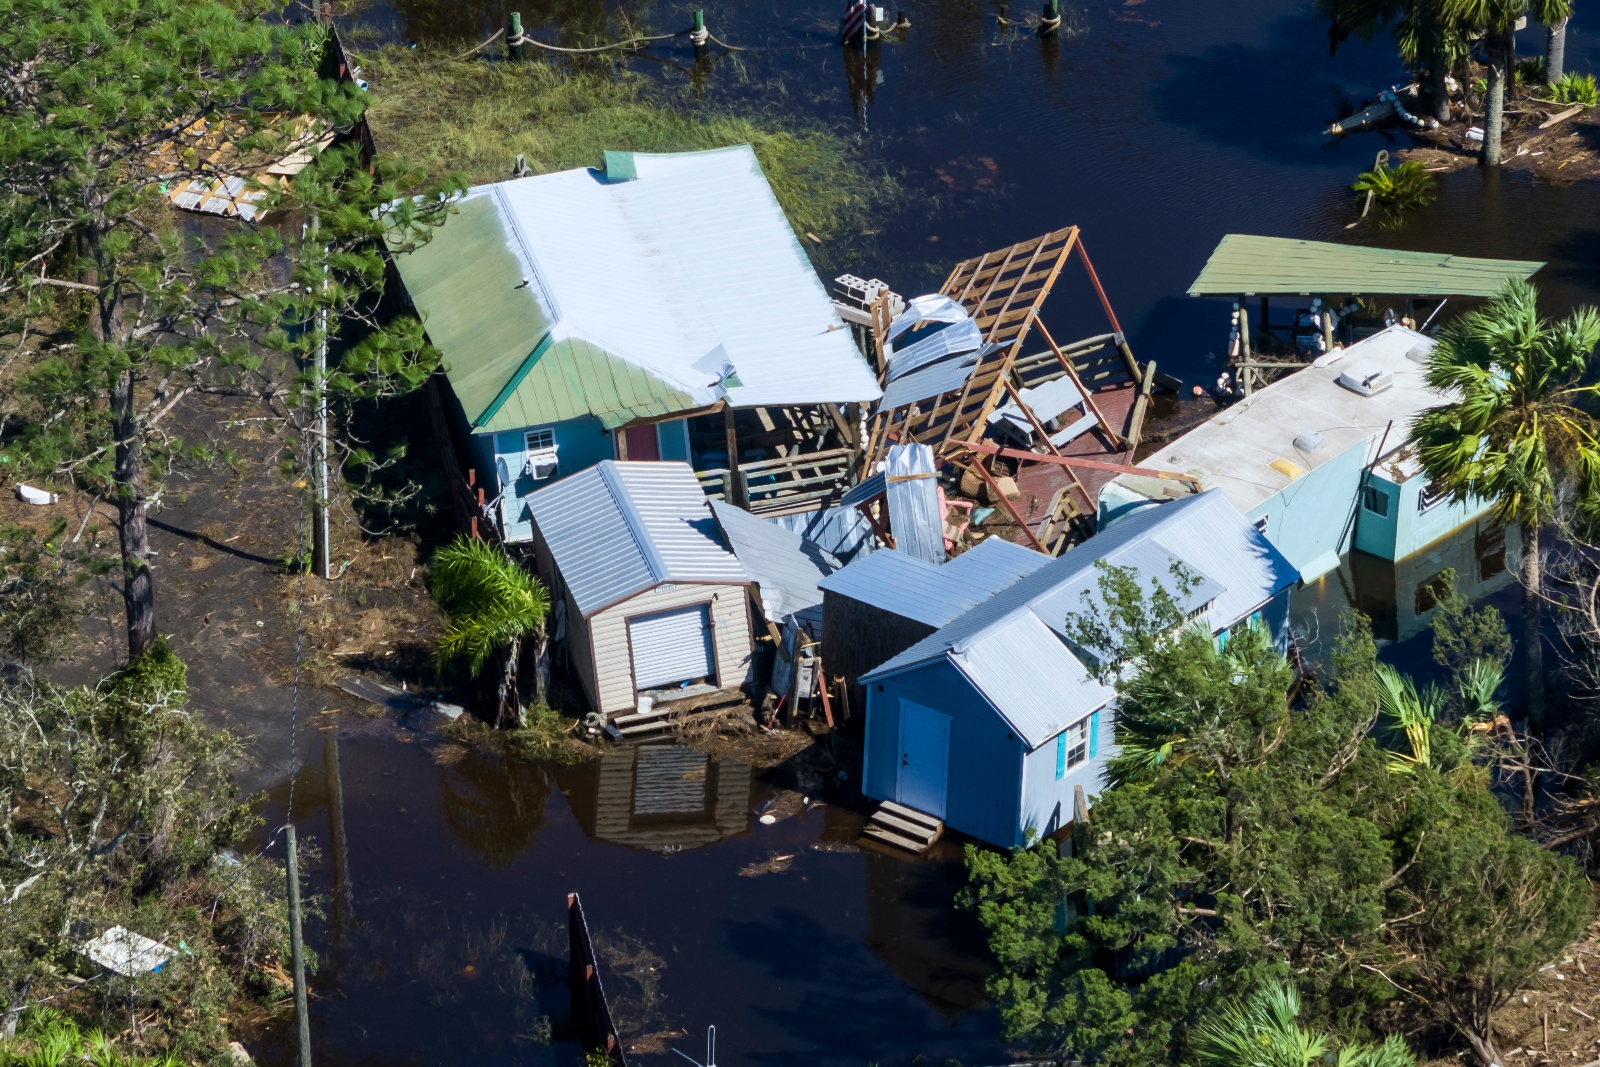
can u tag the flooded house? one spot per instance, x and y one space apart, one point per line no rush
1318 461
995 724
656 596
656 308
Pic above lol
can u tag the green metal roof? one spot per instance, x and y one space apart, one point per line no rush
483 317
1244 263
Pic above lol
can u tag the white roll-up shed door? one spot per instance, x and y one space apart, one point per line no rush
672 647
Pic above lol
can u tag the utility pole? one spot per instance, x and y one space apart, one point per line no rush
297 952
321 563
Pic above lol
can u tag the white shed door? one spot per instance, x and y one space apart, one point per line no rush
672 647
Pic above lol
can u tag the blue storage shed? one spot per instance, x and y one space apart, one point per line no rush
994 721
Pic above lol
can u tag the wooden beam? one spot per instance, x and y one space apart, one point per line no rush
1088 395
1076 461
1140 406
734 492
1045 437
1005 502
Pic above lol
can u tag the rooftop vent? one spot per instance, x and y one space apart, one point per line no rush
1367 379
1419 353
1308 441
619 167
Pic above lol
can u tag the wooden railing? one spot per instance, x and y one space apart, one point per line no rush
787 484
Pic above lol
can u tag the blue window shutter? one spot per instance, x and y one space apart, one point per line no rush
1094 735
1061 755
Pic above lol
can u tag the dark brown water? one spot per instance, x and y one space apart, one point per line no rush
1159 127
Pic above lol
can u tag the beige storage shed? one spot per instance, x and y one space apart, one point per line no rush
654 601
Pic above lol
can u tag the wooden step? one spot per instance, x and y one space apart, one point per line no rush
634 717
906 843
904 826
910 815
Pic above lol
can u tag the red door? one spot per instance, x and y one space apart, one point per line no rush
639 442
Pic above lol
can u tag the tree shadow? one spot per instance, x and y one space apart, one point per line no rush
1274 101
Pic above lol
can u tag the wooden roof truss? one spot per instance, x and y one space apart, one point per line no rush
1003 292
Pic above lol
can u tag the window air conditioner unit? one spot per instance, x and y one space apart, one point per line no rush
541 464
1366 379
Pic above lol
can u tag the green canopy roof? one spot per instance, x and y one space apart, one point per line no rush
1244 263
481 314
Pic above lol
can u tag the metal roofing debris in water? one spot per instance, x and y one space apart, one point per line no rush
651 292
1244 263
1204 532
617 529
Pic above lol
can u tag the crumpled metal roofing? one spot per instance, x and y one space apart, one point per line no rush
946 376
785 566
617 529
1203 531
934 595
648 291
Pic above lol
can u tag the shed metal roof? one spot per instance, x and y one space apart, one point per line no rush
1242 567
617 529
1245 263
785 566
929 593
564 295
1033 680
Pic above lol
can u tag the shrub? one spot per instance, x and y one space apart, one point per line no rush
1576 89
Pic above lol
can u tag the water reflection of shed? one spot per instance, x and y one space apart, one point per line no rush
660 797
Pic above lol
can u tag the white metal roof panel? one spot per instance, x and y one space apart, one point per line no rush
1236 448
946 376
690 264
618 528
930 594
1204 532
1030 677
785 566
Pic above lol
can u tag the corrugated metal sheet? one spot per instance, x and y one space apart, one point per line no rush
961 336
843 531
619 528
1244 263
994 563
784 565
1203 531
945 377
913 490
1030 677
933 595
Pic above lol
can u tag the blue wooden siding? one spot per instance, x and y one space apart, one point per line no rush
1046 799
673 439
983 795
581 443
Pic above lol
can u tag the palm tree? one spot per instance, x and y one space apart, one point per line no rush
1519 429
490 605
1554 14
1263 1032
1409 712
1494 20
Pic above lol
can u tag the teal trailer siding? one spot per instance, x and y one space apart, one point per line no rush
984 789
580 444
1309 519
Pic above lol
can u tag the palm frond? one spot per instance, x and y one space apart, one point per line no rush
488 601
1409 712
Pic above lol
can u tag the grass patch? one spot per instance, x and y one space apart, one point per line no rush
473 117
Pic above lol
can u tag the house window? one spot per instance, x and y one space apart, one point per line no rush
1375 500
1072 746
1432 496
543 456
1261 524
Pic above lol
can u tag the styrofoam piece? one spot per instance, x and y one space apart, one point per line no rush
127 953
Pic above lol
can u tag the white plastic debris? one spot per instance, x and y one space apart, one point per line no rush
1475 133
768 819
120 949
29 495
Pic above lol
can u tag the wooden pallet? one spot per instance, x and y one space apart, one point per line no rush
904 828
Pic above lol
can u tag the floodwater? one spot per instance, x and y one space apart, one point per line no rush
1157 126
